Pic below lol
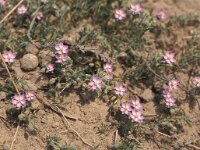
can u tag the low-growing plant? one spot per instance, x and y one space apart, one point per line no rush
106 58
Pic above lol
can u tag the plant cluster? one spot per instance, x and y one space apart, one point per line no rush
119 30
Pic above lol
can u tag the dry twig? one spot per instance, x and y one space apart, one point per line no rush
11 78
53 108
116 134
15 136
31 27
10 12
72 129
152 129
148 59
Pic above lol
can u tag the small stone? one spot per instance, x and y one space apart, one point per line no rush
147 95
35 104
55 124
44 120
29 62
32 49
52 81
41 112
2 95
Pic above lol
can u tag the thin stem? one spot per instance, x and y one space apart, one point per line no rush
8 71
15 135
10 12
31 27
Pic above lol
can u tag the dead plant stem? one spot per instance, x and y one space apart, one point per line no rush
15 136
10 12
72 129
8 71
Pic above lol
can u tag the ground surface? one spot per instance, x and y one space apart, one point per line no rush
93 116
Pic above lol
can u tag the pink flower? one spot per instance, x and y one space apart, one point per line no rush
136 116
95 83
22 10
136 9
9 56
61 58
40 16
196 81
173 84
120 14
2 3
107 68
161 15
169 57
167 93
50 67
18 101
135 103
61 48
125 108
169 101
119 90
30 95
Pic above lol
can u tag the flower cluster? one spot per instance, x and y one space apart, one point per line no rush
95 83
169 100
196 81
9 56
169 57
109 71
133 109
61 52
120 14
161 14
20 100
22 10
173 85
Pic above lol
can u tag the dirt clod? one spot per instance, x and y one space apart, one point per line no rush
35 104
2 95
147 95
29 62
55 124
32 49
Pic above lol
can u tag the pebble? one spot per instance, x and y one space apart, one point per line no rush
32 49
29 62
2 95
147 95
55 124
